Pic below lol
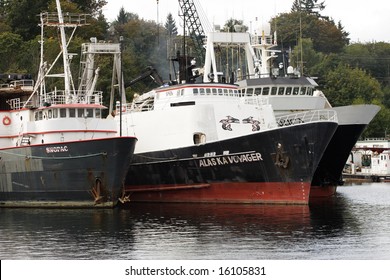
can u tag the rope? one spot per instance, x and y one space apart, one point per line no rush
55 158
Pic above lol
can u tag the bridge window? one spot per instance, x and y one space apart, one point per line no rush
208 91
274 90
98 113
214 90
72 112
309 91
303 90
296 91
62 113
257 91
195 91
249 92
266 91
80 113
201 91
281 91
89 113
288 90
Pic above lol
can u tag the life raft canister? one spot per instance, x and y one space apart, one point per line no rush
6 120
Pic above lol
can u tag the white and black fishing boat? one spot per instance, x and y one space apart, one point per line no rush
205 142
288 91
56 149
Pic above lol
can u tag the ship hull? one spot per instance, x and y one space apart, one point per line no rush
329 172
274 166
352 122
90 172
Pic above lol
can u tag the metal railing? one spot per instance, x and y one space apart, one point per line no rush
76 97
307 117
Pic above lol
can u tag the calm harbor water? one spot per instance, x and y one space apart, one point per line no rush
355 224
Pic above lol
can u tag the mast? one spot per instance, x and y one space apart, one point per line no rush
64 48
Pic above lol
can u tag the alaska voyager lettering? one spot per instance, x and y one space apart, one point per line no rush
232 159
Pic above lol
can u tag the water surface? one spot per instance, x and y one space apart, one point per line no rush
355 224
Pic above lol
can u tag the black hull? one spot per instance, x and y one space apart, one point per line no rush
330 168
90 171
253 161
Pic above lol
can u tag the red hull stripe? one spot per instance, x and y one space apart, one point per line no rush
61 131
322 191
272 193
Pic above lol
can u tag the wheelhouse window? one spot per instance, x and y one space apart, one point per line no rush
72 112
62 113
201 91
266 91
257 91
80 113
303 90
98 113
195 91
296 91
208 91
89 113
281 91
249 92
274 90
288 90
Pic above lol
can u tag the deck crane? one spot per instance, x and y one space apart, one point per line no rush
194 26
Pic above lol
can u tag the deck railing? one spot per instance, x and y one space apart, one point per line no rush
307 117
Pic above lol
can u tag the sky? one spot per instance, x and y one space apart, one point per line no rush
366 21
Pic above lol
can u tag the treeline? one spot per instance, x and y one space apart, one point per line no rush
348 73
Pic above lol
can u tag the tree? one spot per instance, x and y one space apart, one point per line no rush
170 26
93 7
10 45
122 19
310 57
326 36
373 57
21 16
308 6
231 23
346 85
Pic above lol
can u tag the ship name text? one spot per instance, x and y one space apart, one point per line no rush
230 159
56 149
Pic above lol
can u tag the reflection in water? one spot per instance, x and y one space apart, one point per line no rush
348 226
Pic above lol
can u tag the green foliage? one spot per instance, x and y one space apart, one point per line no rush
345 85
170 26
310 57
373 57
326 36
229 25
10 46
21 16
308 6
